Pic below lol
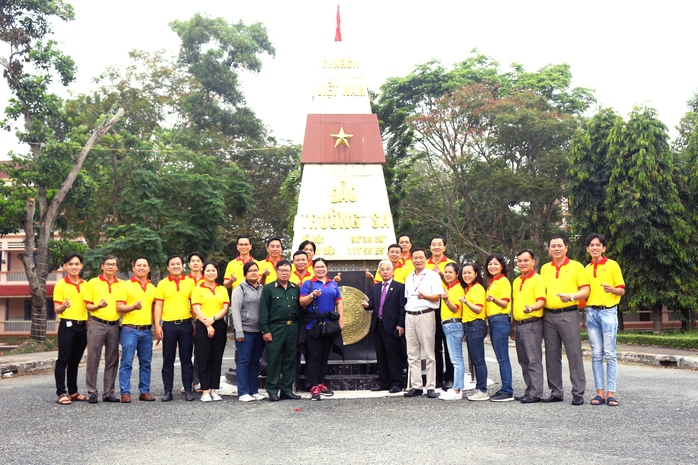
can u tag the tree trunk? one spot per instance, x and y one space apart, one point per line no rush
621 320
37 274
657 318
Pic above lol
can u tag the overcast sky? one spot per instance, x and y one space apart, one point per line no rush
629 52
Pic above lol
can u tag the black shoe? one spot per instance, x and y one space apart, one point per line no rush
167 397
431 394
378 388
447 385
92 399
553 398
289 396
189 395
395 390
273 398
578 400
414 392
529 400
518 398
499 397
111 399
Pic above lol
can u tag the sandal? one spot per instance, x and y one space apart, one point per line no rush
598 400
612 402
63 399
78 397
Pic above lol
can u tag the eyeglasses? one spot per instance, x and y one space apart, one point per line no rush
110 265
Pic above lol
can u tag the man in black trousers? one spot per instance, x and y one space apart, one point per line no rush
387 300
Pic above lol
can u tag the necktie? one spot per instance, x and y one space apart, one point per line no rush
380 308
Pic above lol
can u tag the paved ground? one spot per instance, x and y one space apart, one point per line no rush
655 423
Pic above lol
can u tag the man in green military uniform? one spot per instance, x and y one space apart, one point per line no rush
279 317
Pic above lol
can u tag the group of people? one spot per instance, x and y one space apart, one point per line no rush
436 298
426 305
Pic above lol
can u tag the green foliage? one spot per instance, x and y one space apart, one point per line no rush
59 248
477 154
589 175
649 234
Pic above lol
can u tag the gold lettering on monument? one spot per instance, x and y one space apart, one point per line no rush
340 63
343 193
380 220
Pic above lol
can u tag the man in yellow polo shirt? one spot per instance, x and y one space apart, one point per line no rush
607 287
234 275
69 296
267 268
172 318
103 331
400 271
437 263
527 330
300 265
135 303
566 283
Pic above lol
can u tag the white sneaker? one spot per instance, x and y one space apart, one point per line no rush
246 398
258 396
479 396
451 395
215 396
206 397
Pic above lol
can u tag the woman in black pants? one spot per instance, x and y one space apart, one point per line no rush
210 304
320 295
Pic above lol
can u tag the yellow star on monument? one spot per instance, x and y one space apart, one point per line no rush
341 138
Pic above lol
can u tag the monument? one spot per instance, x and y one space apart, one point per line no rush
343 201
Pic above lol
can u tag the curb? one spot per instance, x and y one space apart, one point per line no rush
667 361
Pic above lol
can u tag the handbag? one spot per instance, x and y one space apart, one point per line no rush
325 329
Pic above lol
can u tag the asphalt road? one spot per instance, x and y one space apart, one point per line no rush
656 422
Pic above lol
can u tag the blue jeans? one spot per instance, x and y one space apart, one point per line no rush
602 326
132 340
500 329
475 332
454 341
247 371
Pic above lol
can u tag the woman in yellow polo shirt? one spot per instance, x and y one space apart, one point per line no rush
210 304
498 307
473 306
451 311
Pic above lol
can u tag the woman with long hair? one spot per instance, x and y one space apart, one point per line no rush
451 320
498 308
475 327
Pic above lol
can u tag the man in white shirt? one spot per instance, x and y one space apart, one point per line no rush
423 291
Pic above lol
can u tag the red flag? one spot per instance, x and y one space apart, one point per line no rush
338 32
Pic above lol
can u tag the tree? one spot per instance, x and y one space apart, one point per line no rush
489 151
46 174
686 178
589 175
649 233
191 166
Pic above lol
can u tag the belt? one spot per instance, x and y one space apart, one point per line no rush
139 328
420 312
451 320
106 322
77 322
599 307
179 322
560 310
283 322
533 319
